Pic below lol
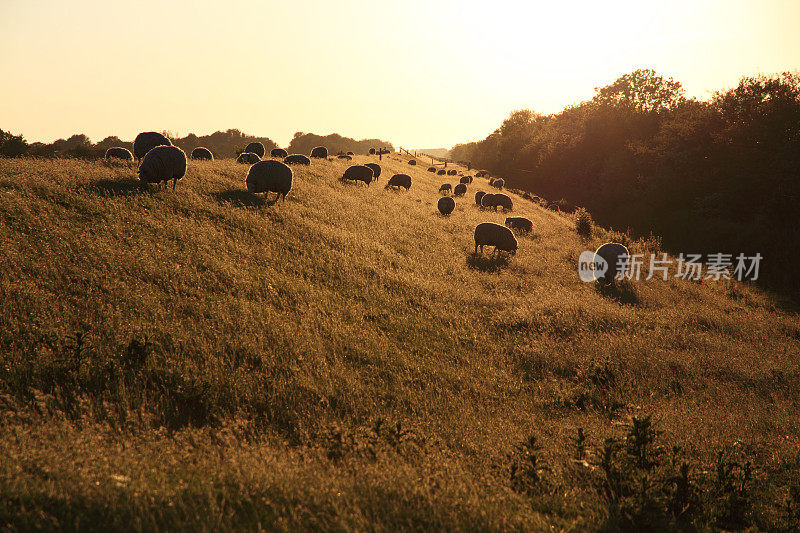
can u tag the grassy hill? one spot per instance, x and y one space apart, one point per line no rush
201 359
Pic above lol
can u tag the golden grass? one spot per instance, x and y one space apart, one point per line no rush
283 332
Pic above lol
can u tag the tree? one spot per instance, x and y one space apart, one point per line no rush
642 90
12 145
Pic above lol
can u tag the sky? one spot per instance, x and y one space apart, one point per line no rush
416 73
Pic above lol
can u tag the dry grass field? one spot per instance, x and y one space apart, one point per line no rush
203 360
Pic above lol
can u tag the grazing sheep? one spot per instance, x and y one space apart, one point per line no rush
248 158
358 173
491 234
487 200
480 173
412 162
452 172
478 197
446 205
460 189
161 164
466 180
499 182
202 154
320 152
400 180
296 159
502 200
372 151
270 176
278 152
350 153
256 148
349 158
441 172
119 153
376 169
616 257
519 224
146 141
446 188
431 169
553 207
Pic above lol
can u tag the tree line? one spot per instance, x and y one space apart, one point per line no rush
721 175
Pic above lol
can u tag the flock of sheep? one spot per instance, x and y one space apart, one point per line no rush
161 162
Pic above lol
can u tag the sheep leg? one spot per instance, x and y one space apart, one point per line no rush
174 182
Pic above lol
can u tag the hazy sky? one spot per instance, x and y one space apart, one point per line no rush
416 73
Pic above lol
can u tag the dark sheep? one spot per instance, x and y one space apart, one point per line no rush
202 154
278 152
478 197
441 172
358 173
446 205
466 180
452 172
296 159
491 234
446 188
480 173
161 164
400 180
460 189
553 207
431 169
119 152
519 224
412 162
146 141
347 157
248 158
270 176
499 182
320 152
615 256
502 200
256 148
376 170
487 201
372 151
350 153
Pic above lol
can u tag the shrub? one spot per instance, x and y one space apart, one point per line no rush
583 222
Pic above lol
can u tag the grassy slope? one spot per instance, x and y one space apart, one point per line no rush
282 333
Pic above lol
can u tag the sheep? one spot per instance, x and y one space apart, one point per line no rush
350 153
400 180
615 256
146 141
519 224
487 201
446 188
296 159
460 190
412 162
499 182
161 164
441 172
376 169
119 153
553 207
491 234
478 196
452 172
202 154
270 176
278 152
248 158
480 173
319 152
466 180
446 205
256 148
504 201
372 151
347 157
431 169
358 173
